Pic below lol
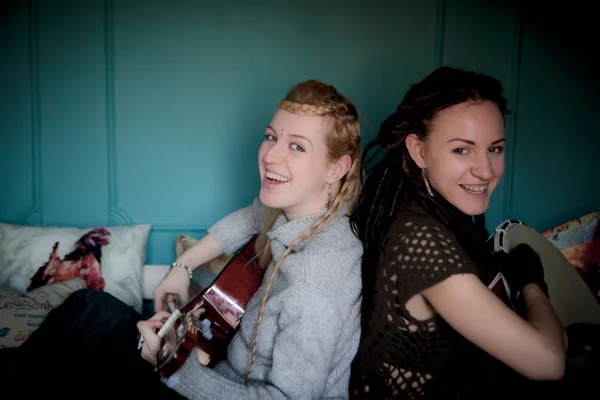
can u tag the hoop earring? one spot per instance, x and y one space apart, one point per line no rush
329 198
427 185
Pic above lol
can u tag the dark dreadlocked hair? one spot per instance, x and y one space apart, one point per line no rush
397 177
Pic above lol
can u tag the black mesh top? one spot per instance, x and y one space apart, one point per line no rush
402 357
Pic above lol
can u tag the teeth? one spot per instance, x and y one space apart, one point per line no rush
475 188
276 177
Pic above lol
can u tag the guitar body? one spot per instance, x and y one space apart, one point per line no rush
207 323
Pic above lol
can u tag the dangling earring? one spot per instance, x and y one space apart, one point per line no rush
427 186
329 198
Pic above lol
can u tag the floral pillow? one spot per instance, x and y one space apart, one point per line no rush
106 258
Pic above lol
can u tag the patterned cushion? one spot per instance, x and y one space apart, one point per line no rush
106 258
21 314
579 241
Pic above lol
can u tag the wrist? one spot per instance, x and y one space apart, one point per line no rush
540 285
183 267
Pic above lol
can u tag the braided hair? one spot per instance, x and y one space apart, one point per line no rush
396 177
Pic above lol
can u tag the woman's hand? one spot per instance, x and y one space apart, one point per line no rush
148 329
177 281
175 284
524 266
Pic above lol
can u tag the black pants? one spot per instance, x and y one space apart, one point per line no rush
86 347
580 381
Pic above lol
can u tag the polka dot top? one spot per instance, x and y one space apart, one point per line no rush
402 357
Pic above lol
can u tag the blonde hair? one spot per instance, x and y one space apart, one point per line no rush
315 98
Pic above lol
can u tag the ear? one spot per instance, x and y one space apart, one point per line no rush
339 169
416 149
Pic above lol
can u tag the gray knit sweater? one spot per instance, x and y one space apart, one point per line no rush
310 327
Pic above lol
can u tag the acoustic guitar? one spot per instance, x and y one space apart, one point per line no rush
205 325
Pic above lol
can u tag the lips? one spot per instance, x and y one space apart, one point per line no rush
272 176
475 189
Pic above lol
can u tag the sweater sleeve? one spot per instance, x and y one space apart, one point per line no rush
302 355
236 229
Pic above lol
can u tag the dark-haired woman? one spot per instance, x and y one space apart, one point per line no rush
431 326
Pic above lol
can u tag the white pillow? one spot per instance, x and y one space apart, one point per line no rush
27 251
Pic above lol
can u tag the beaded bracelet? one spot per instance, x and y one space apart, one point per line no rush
189 271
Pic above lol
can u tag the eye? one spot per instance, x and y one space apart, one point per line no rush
461 151
270 138
296 147
497 150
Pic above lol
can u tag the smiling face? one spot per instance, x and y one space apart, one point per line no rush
463 154
294 164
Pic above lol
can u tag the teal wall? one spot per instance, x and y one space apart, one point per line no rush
119 112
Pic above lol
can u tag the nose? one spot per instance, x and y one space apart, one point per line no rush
273 154
482 169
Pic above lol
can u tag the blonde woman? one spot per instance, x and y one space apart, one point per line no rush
301 330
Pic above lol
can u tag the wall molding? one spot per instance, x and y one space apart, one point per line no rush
117 215
507 209
440 30
178 228
33 214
